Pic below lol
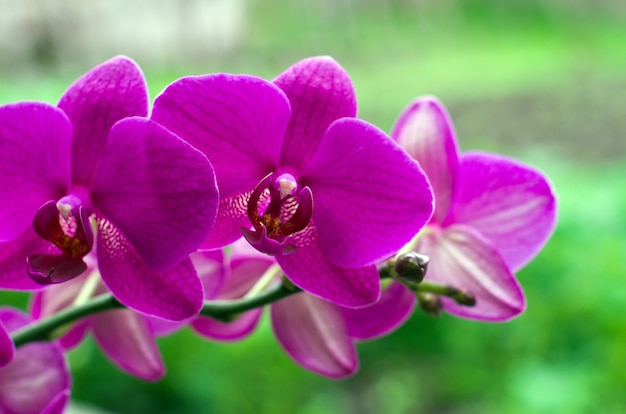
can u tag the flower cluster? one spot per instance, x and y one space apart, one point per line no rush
104 198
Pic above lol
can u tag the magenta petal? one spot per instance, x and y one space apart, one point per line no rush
308 268
13 256
34 162
158 190
370 197
313 333
320 92
510 203
111 91
425 131
175 294
232 215
237 329
125 337
7 348
394 307
211 269
238 121
462 258
58 403
35 377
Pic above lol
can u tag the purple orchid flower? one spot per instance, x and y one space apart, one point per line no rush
37 379
492 214
305 181
317 334
94 177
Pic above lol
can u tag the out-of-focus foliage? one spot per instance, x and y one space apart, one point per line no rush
539 80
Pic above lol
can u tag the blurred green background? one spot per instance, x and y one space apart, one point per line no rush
542 81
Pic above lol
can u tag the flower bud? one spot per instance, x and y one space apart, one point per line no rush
411 267
430 303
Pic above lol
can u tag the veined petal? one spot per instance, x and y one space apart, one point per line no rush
7 348
320 92
125 337
308 268
111 91
238 121
425 131
232 215
510 203
175 295
370 198
158 190
36 140
462 258
13 256
394 307
35 377
313 333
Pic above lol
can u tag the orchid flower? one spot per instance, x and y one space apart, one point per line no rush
94 177
317 334
36 379
326 194
492 214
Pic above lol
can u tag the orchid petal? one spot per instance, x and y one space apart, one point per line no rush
232 215
462 258
175 295
394 307
313 333
13 256
238 121
510 203
111 91
35 377
125 337
58 403
7 348
158 190
34 162
320 92
370 197
308 268
239 328
425 131
211 270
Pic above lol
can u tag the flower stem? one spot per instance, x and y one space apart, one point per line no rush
43 329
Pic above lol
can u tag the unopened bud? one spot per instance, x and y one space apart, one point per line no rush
430 303
464 298
411 267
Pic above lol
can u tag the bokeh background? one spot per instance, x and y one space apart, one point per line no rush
542 81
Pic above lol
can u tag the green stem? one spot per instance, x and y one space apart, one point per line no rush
43 330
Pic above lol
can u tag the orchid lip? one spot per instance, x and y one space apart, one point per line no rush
277 209
65 224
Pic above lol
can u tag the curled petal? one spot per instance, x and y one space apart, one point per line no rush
320 92
175 294
234 330
158 190
462 258
35 377
126 338
34 162
13 256
313 333
370 197
394 307
111 91
308 268
425 131
238 121
510 203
